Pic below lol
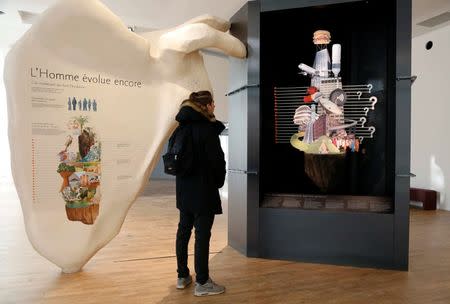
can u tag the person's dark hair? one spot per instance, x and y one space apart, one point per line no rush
201 97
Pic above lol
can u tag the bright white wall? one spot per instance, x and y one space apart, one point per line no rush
5 169
430 140
218 69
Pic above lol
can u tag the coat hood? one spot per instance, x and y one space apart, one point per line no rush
190 112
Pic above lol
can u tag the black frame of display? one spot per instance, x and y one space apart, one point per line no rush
358 239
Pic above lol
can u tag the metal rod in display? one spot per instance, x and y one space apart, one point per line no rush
362 90
289 93
294 104
292 101
244 87
356 100
365 86
299 96
365 135
285 111
291 98
356 114
355 107
360 113
289 102
287 135
287 99
282 88
287 107
347 86
287 126
349 99
358 104
287 130
353 117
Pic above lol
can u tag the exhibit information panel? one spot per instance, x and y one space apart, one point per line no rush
67 114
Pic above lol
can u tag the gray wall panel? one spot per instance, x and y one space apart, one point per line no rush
361 239
402 132
237 211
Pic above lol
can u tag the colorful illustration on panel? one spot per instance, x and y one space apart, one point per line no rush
80 168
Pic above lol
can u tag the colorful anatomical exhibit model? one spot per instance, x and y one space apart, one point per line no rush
330 117
325 121
91 105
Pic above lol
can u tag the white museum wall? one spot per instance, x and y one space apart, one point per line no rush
5 168
218 70
430 145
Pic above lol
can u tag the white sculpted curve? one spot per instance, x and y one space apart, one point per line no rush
90 106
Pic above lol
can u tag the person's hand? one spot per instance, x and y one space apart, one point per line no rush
138 83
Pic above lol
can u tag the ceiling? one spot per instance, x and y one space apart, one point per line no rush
165 13
154 14
426 9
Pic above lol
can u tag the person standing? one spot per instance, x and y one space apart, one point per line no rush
197 193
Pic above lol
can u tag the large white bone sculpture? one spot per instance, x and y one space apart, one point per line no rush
90 105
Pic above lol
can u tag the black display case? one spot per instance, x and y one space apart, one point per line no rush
376 48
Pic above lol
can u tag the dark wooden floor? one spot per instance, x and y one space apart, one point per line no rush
138 266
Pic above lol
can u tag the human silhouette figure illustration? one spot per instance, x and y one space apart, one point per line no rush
69 103
84 104
94 106
89 104
74 104
79 105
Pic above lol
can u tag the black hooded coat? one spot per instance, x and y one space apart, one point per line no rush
198 192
